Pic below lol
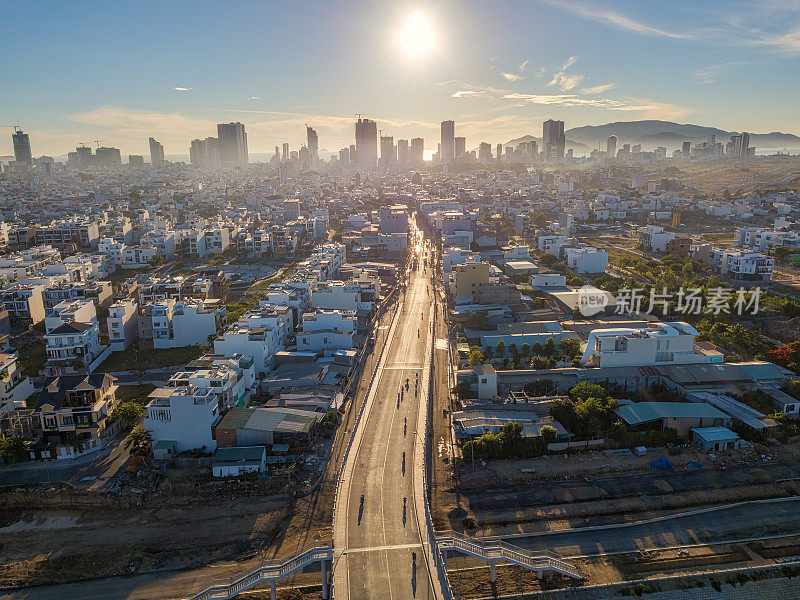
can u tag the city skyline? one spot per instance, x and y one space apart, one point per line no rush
408 67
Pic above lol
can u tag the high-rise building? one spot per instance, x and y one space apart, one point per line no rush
81 158
105 157
485 151
156 153
366 143
461 147
417 151
499 152
353 157
313 143
402 152
686 149
135 160
22 146
205 153
611 146
388 151
740 144
344 157
448 143
553 140
285 155
232 144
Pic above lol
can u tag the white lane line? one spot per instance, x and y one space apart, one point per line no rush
383 548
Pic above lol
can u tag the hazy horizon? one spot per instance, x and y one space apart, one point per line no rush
174 70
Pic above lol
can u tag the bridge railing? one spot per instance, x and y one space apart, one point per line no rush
497 549
267 570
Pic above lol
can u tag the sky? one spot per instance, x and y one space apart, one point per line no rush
116 73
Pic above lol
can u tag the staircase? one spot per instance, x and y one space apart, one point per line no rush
268 570
493 550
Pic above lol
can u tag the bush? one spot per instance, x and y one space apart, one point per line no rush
509 443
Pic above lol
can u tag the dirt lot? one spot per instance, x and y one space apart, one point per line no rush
591 488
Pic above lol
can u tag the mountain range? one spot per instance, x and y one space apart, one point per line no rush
651 134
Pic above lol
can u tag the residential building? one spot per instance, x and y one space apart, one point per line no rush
123 324
324 331
184 415
73 412
15 388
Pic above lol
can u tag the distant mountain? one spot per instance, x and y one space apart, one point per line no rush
666 133
651 134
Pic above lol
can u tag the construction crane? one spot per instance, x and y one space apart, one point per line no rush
97 142
16 127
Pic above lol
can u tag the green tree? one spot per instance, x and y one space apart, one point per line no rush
501 348
475 356
570 347
13 448
550 347
128 413
526 349
586 390
548 259
549 434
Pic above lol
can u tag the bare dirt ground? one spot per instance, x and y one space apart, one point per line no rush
766 172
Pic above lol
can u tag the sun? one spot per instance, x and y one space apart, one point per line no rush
416 38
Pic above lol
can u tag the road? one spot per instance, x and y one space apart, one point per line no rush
374 542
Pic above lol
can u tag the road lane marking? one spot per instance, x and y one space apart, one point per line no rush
384 548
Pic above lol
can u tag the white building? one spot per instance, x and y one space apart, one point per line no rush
15 388
551 243
122 324
742 265
655 237
80 311
586 259
260 342
352 296
186 323
135 257
654 345
72 348
232 378
184 415
323 331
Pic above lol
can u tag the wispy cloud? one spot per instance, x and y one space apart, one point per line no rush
598 89
567 81
523 65
466 93
182 89
709 74
511 76
254 97
615 19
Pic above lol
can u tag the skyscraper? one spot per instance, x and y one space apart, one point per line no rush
460 147
402 152
232 144
313 143
22 146
105 157
485 151
686 149
205 153
285 155
417 151
366 143
156 153
448 151
553 140
344 157
499 152
611 146
352 156
388 151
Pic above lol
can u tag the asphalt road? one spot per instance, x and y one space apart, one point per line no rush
380 536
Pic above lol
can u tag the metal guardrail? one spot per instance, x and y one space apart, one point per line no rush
496 549
270 570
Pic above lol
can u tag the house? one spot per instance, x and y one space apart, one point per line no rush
655 238
232 378
469 278
70 311
586 259
122 324
548 281
258 341
73 411
15 388
487 381
681 416
234 462
24 303
74 347
654 345
715 439
184 415
323 331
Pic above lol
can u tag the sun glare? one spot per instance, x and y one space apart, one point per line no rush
416 38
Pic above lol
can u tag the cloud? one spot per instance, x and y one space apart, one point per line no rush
182 89
523 66
466 94
512 76
254 97
598 89
564 80
615 19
